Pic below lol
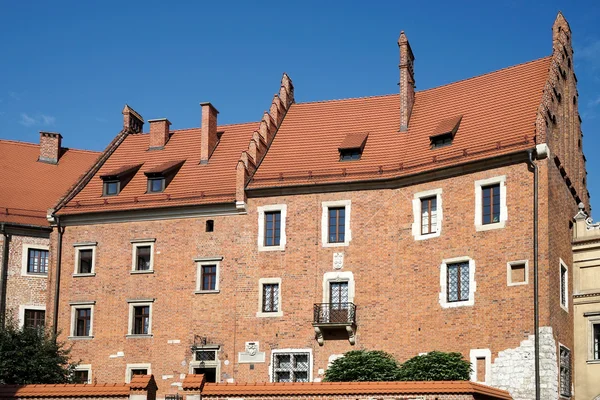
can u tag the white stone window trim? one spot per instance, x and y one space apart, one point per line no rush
443 295
326 205
200 262
416 203
474 354
23 307
131 367
77 305
261 283
338 276
25 259
562 265
216 364
592 320
85 246
284 351
282 208
135 243
479 226
509 272
85 367
139 303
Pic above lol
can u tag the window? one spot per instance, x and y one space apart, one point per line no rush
207 279
269 298
85 259
564 286
350 154
565 371
352 146
115 181
517 273
596 341
156 185
34 318
335 223
137 369
35 259
140 318
457 281
441 140
210 225
444 132
161 175
206 362
490 203
291 366
82 314
481 365
143 256
111 188
83 373
427 211
271 227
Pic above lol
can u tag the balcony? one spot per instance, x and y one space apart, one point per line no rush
328 316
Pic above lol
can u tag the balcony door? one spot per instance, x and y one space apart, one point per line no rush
338 302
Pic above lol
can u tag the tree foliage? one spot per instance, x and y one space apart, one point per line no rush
435 366
362 365
31 355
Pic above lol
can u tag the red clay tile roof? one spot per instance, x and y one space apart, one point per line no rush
193 382
28 188
193 184
448 125
354 141
164 167
65 390
351 388
143 382
122 170
499 112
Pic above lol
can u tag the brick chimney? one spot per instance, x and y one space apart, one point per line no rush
407 81
50 147
132 121
159 133
209 139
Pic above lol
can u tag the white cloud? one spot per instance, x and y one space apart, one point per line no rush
47 119
595 102
589 52
39 120
26 120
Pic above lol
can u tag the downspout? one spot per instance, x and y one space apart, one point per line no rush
4 274
57 278
536 306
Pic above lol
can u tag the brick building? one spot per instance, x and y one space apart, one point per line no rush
262 251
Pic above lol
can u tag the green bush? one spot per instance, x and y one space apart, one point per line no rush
362 365
435 366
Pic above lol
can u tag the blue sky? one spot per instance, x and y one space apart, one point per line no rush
71 66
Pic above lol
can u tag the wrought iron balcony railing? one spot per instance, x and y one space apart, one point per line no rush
334 314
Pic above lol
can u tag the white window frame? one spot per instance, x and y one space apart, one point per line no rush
416 203
139 303
25 259
77 306
474 354
443 296
282 208
134 246
338 276
23 307
509 272
130 367
207 261
216 364
85 367
592 320
326 205
564 306
85 246
261 283
280 351
479 226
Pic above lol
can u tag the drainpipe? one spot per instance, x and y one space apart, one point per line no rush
3 274
57 278
536 306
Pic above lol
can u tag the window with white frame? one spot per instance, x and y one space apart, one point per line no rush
85 259
565 371
517 273
32 316
206 362
35 260
269 297
427 212
564 286
457 282
481 365
291 365
271 227
490 203
142 256
83 373
335 223
82 320
137 369
207 274
140 318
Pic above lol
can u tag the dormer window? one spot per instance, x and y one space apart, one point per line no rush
160 176
352 146
444 133
116 180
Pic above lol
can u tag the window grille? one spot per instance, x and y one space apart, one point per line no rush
291 367
206 355
458 281
565 372
270 297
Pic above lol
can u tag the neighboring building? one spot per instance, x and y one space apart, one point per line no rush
400 222
586 306
34 177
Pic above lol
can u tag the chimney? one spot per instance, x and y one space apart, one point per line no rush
50 147
407 81
159 133
209 139
132 121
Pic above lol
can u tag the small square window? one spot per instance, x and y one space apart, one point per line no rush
111 188
291 367
34 318
518 273
81 376
37 261
137 369
156 185
82 315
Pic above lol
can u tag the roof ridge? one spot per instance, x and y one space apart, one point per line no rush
30 144
348 99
